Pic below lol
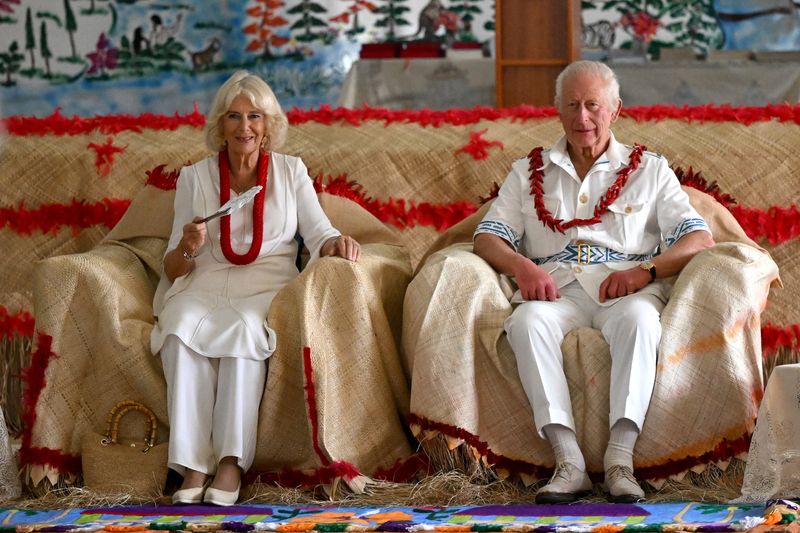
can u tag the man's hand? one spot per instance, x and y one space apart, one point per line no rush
534 282
623 283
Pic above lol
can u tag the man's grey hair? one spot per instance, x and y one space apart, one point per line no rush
594 68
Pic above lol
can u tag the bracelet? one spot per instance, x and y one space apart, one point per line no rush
188 256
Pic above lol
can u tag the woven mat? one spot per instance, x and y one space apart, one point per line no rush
606 517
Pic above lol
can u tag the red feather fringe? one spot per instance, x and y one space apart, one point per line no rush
405 471
104 155
34 379
19 324
723 451
311 402
78 214
478 147
775 338
777 224
297 478
57 124
166 181
690 178
398 212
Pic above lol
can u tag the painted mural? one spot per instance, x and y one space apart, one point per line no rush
164 56
132 56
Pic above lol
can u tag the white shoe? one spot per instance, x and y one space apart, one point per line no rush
191 495
622 486
222 497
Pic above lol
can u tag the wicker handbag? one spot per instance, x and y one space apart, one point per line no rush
116 466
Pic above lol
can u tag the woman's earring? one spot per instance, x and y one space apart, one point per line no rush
265 142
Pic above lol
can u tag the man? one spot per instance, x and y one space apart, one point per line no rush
579 227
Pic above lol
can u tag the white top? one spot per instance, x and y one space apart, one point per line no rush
651 211
220 309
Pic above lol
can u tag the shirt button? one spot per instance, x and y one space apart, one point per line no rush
628 209
583 198
577 269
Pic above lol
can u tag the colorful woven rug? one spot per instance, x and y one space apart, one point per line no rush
593 517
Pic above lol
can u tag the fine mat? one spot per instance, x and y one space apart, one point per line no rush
588 517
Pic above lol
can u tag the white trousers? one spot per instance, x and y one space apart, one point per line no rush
213 407
632 328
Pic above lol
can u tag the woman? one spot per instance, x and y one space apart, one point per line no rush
212 332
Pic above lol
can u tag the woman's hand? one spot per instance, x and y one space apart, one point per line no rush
342 246
180 260
194 236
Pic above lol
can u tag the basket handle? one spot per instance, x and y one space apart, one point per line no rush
121 409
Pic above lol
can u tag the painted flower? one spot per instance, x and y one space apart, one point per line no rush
643 26
104 57
448 19
5 5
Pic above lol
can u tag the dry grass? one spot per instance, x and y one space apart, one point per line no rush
443 489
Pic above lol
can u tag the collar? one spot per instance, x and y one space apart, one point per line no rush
615 156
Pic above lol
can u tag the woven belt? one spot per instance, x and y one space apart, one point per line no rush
589 254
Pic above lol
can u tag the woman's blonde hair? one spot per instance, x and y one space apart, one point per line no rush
261 96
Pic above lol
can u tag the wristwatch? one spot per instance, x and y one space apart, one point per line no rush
650 267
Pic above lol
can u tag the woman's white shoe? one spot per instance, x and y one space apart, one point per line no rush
191 495
222 497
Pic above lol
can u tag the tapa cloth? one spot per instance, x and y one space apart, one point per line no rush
465 383
97 306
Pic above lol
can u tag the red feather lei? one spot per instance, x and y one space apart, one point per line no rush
258 209
556 224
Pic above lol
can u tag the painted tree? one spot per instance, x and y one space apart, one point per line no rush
392 12
30 40
692 22
262 32
93 8
698 28
44 48
309 20
10 62
466 10
356 6
71 24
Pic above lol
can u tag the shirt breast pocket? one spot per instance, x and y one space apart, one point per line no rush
552 204
628 221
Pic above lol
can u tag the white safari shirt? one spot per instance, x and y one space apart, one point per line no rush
651 212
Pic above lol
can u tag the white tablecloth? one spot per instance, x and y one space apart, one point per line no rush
454 82
773 464
431 83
